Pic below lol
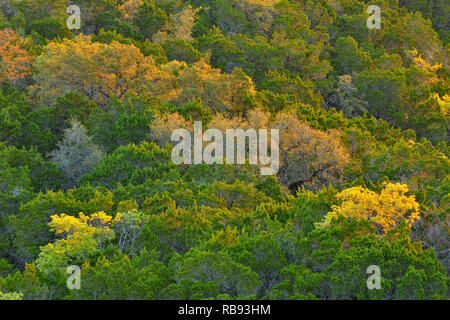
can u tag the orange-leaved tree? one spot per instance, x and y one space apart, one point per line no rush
15 59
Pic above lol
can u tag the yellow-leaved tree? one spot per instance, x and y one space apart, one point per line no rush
100 71
80 236
96 70
386 210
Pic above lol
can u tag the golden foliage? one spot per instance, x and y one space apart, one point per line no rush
385 210
162 126
221 92
430 69
82 234
100 71
309 157
96 69
226 237
80 237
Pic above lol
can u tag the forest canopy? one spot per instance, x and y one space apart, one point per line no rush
87 179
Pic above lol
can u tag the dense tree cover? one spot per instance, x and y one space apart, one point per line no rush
86 176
